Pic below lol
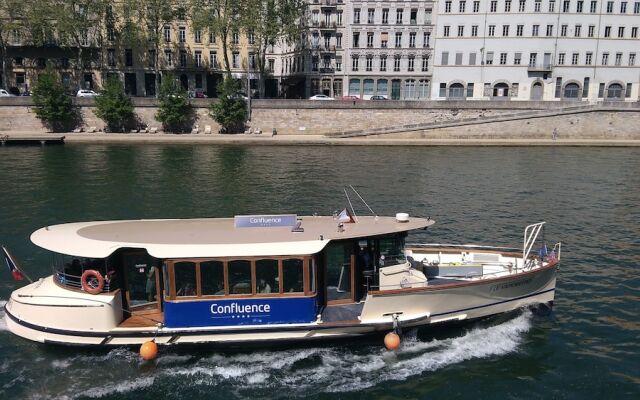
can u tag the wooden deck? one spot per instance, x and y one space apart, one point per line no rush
142 320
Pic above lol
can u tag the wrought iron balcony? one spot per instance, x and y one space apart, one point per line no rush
542 67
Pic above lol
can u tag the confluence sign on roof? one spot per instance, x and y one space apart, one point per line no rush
264 221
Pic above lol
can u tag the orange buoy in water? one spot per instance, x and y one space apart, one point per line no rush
149 350
392 341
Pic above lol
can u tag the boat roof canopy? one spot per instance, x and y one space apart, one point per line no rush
212 237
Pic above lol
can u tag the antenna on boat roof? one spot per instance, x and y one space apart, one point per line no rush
361 199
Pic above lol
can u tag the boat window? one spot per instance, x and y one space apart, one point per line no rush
239 277
392 248
185 273
267 280
312 279
165 276
212 278
292 275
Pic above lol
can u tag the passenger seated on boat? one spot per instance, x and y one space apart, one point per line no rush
187 290
263 287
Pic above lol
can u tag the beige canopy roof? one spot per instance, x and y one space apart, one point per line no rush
183 238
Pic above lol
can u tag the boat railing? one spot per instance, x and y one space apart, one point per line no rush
465 246
557 249
531 233
75 282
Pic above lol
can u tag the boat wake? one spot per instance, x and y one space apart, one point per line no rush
3 323
287 373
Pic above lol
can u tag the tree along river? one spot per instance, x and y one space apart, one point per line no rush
588 347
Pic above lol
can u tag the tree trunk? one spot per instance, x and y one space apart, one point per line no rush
225 56
262 67
79 66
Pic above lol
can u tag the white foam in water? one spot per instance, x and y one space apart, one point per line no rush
121 387
3 323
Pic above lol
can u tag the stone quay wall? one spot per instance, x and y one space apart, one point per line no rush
461 119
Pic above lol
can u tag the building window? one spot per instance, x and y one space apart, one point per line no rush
128 57
494 6
371 15
519 30
607 31
563 30
411 63
634 32
588 58
383 63
356 15
632 59
561 58
592 29
426 38
532 59
552 6
503 58
621 31
339 18
369 39
356 40
579 6
585 88
458 58
476 6
463 5
489 58
413 16
522 5
369 63
235 38
472 58
605 58
410 89
447 6
396 63
609 6
574 58
517 59
198 58
151 58
536 6
594 6
183 59
474 30
385 16
338 64
460 30
558 87
251 37
111 34
398 39
535 29
578 28
399 12
507 6
236 59
566 5
182 34
636 7
505 30
412 39
425 63
168 58
492 30
549 30
354 63
167 34
213 59
618 59
445 58
197 36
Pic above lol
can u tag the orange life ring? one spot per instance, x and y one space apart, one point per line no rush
92 281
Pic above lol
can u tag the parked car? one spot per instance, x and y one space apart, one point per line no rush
4 93
197 94
350 98
321 97
26 93
378 97
86 93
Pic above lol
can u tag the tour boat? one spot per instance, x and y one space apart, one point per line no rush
267 279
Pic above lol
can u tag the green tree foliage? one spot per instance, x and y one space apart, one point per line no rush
114 107
52 104
219 17
174 109
273 22
230 111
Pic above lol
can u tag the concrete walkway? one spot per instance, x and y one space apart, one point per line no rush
266 139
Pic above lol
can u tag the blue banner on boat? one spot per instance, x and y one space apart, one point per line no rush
264 221
232 312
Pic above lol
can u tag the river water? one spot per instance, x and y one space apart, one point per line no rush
588 347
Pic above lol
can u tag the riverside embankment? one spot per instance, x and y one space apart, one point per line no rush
374 122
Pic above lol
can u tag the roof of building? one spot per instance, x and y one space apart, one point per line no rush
213 237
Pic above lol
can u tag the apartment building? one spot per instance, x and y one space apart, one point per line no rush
537 50
389 49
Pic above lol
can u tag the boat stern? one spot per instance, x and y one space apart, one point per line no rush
43 311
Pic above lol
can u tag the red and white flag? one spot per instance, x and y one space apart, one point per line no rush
15 271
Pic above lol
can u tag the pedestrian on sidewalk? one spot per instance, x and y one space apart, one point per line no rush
554 135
